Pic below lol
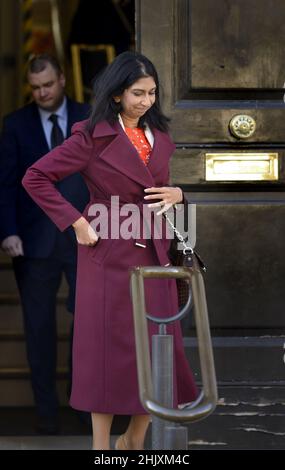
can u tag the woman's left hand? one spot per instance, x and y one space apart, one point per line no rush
168 195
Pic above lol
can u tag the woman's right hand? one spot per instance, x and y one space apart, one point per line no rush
85 234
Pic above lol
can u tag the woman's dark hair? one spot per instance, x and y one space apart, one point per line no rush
125 70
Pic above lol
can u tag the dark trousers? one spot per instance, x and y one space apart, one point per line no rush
38 282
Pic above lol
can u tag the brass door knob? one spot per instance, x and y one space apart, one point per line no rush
242 126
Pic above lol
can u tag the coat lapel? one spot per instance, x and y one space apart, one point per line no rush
121 154
162 150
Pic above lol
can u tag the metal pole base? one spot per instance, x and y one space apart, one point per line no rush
176 438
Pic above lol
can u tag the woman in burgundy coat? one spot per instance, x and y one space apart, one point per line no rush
123 150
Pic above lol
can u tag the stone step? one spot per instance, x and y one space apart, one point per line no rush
24 373
5 260
11 318
13 350
250 418
15 387
9 289
247 417
7 280
13 298
47 442
243 359
8 283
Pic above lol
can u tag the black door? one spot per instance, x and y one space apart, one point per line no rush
222 67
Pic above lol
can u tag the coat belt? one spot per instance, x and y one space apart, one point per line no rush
140 241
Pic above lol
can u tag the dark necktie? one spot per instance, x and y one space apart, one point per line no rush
56 137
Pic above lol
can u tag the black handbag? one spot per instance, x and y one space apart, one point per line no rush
186 257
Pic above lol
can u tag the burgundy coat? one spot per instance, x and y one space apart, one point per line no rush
104 360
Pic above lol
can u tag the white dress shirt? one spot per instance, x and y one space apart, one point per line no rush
61 113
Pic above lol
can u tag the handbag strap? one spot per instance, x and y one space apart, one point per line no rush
186 248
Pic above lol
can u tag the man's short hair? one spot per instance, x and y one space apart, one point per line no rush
38 63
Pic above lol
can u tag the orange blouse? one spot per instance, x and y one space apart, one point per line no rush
140 142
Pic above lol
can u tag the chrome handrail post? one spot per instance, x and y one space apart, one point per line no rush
207 400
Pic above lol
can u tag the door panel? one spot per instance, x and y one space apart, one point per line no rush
234 44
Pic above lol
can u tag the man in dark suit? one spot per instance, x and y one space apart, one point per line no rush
41 254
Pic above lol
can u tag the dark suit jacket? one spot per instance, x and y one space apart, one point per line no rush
22 143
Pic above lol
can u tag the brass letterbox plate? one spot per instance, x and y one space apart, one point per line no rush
241 166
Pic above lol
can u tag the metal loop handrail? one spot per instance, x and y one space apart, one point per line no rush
178 316
207 400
